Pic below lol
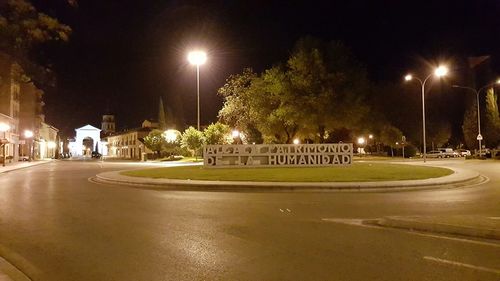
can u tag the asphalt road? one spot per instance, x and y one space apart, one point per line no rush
56 225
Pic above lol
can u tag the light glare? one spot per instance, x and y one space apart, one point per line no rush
408 77
197 57
441 71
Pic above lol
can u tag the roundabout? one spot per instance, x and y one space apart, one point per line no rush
365 176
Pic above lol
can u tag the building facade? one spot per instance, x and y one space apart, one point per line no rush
129 144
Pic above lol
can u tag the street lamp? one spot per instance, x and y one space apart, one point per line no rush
4 128
477 92
28 135
438 72
197 58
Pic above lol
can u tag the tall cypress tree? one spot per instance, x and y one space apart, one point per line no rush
162 123
492 120
469 126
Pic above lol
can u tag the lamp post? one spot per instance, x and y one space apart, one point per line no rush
438 72
4 128
197 58
28 135
478 92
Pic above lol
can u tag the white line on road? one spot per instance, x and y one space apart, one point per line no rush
494 218
475 267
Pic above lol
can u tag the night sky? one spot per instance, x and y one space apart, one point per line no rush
123 55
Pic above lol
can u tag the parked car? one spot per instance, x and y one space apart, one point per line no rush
463 152
435 154
448 152
96 155
24 158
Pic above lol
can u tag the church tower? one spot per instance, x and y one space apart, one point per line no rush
108 124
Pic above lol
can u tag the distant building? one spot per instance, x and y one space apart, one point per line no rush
129 144
87 140
21 107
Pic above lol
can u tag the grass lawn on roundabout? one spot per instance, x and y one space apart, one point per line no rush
358 172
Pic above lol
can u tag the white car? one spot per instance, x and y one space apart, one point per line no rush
463 152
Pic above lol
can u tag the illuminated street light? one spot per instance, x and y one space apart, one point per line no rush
438 72
28 134
478 92
361 141
171 135
296 141
235 133
197 58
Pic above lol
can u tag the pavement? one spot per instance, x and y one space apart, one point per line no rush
56 225
21 165
460 176
9 272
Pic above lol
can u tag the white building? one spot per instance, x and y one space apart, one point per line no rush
87 140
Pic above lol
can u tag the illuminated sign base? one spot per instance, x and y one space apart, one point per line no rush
281 155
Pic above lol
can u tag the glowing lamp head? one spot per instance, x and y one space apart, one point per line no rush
51 144
361 140
171 135
370 136
296 141
28 134
197 57
4 127
408 77
441 71
235 133
498 81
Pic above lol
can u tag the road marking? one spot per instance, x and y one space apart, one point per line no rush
288 210
360 222
494 218
466 265
281 210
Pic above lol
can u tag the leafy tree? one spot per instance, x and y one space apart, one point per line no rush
319 89
193 140
155 141
492 120
236 111
217 133
438 133
22 29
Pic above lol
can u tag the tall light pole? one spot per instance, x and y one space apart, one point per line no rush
438 72
478 92
197 58
4 128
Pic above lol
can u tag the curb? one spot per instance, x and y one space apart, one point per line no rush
29 166
9 272
459 176
414 224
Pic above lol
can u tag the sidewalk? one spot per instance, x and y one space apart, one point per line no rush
21 165
465 225
460 176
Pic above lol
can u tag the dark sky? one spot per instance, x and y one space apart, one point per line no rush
123 55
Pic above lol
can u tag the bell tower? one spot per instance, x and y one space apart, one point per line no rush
108 124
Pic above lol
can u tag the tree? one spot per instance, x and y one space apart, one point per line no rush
193 140
155 141
217 133
492 120
469 126
22 29
162 123
319 89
